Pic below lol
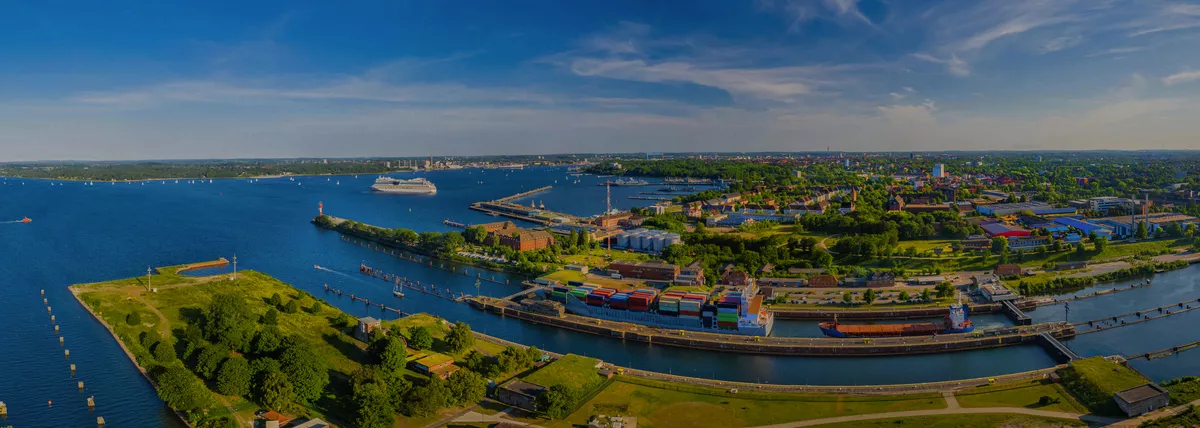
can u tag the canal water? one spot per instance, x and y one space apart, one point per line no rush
85 233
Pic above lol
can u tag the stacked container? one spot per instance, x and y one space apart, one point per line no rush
708 315
641 300
690 305
619 301
728 309
581 293
559 294
668 305
599 297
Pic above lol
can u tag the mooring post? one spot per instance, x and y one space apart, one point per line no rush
67 353
99 421
92 402
81 385
73 370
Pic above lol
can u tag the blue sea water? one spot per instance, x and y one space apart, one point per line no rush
86 233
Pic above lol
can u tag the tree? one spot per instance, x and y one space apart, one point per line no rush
999 244
308 373
869 296
1101 244
822 258
164 351
926 295
945 289
291 307
904 297
394 355
182 390
452 242
268 340
218 422
1142 232
419 338
134 318
459 338
261 366
475 234
315 308
227 320
426 400
234 377
534 353
466 387
374 407
847 298
271 317
512 358
275 300
274 391
1079 248
210 359
556 402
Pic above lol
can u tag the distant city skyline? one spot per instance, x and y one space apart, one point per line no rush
275 79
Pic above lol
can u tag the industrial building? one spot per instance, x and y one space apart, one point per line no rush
1140 400
657 271
647 240
1104 203
1001 229
1013 208
1086 227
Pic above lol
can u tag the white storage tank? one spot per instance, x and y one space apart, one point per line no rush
660 242
622 239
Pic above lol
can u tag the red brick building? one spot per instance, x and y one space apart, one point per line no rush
658 271
524 239
611 220
823 281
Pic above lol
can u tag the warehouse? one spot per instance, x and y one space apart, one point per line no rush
1001 229
1009 209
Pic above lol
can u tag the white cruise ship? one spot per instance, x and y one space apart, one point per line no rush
416 186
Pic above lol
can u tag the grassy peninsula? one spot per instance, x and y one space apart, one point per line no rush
219 349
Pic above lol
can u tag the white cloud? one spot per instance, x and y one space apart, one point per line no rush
1183 77
1059 43
780 84
954 66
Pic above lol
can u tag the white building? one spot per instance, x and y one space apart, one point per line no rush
1104 203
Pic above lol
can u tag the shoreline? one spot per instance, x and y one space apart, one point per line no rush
128 354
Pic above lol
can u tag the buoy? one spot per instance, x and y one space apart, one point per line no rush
3 409
43 292
91 402
100 421
81 385
47 309
67 353
60 340
45 301
52 318
73 371
56 328
49 403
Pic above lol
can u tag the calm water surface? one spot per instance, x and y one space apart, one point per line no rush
86 233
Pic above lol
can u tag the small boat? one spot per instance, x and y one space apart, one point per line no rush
396 291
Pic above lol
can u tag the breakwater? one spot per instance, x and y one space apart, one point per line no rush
524 194
783 345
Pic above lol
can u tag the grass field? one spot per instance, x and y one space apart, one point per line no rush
180 299
1094 381
596 257
571 369
962 421
1021 394
926 245
658 404
563 276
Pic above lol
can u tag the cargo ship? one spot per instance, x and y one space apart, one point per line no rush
956 322
735 312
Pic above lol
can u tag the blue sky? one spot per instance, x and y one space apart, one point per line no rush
144 80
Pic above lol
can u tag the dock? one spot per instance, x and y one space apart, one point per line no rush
426 261
1138 317
452 223
524 194
1161 353
1048 301
1057 349
429 289
794 346
1014 313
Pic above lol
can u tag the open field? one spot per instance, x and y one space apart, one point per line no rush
571 369
1021 394
596 257
1094 381
658 404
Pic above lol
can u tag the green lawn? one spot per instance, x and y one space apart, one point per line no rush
962 421
1094 381
926 245
1021 394
571 369
1184 390
658 404
596 257
563 276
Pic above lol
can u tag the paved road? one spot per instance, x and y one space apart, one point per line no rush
1164 413
1091 419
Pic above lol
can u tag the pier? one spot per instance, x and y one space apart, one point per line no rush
429 289
1014 313
1161 353
794 346
1047 301
451 223
428 262
524 293
1057 349
886 314
524 194
1109 323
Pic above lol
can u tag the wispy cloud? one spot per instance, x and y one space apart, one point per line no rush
1118 51
953 65
800 12
1060 43
1184 77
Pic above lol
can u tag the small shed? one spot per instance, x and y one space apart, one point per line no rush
366 326
1008 270
1143 399
520 394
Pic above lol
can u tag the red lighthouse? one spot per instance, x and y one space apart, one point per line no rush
320 208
